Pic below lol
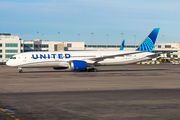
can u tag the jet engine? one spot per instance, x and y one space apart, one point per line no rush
77 65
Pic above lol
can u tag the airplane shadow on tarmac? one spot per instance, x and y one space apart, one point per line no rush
132 70
91 72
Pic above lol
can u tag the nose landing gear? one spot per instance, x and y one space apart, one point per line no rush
20 70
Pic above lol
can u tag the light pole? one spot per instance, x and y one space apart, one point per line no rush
92 38
37 34
42 36
21 36
21 43
78 37
135 40
163 38
107 39
122 36
58 36
164 45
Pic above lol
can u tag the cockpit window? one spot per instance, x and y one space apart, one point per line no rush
13 58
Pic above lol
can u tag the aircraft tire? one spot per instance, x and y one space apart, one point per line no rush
84 70
89 70
20 71
92 70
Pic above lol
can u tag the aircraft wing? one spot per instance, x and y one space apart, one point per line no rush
154 56
97 59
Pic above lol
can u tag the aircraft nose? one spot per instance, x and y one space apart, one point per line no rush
8 63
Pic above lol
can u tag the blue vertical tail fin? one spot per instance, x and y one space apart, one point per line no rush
122 45
148 43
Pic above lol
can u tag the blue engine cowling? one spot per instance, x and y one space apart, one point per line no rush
59 68
77 65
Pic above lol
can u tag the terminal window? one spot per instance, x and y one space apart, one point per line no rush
175 55
45 45
22 45
69 45
111 46
28 45
0 44
55 47
130 46
167 46
37 46
28 50
0 56
11 51
94 46
100 46
0 51
9 55
11 45
168 55
88 46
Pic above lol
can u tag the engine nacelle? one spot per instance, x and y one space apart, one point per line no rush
77 65
59 68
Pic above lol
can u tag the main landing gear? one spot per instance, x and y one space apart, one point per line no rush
20 70
92 70
89 70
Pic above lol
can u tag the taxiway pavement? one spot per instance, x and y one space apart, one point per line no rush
148 92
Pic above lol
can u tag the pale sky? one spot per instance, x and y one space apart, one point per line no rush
72 17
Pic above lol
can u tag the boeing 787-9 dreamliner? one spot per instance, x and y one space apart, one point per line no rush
85 60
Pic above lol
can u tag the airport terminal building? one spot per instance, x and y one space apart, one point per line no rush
11 45
167 50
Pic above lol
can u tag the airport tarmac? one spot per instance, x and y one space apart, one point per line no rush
131 92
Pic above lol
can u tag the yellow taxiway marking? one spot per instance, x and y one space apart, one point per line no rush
8 113
12 116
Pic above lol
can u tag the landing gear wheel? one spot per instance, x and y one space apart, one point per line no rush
20 71
83 70
92 70
89 70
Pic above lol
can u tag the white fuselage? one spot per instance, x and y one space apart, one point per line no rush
61 58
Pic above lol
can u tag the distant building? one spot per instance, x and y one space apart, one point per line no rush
167 50
39 45
11 45
110 47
